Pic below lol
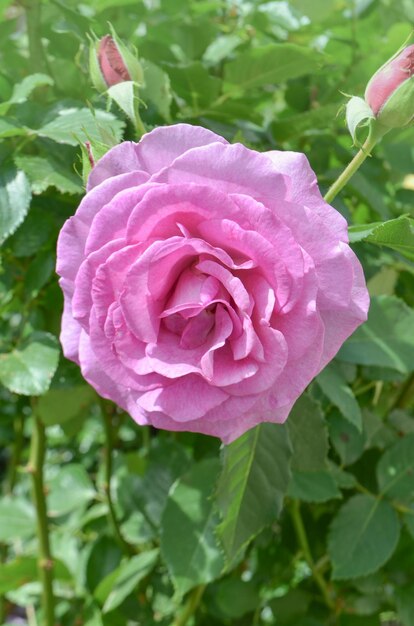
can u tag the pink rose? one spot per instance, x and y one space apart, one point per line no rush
205 284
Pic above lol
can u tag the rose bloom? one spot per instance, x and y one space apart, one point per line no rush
205 284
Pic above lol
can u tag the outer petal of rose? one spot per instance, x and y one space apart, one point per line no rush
340 322
228 421
105 386
329 254
231 168
183 400
303 189
111 364
111 221
108 279
73 236
82 296
298 373
156 150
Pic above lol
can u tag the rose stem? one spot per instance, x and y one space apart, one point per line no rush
11 481
374 136
304 544
190 607
35 468
125 547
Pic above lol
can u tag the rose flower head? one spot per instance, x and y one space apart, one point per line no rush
111 62
390 92
205 284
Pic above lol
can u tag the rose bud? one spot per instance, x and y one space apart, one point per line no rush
390 92
111 62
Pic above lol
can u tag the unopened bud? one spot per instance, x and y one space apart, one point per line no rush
390 92
111 62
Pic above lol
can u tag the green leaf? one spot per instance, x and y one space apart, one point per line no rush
29 368
221 47
15 199
127 577
16 573
69 490
311 480
125 94
333 384
39 272
44 172
252 485
157 89
397 234
73 125
167 461
270 64
347 440
309 436
11 128
290 607
105 556
23 570
188 534
405 604
395 470
357 112
23 90
194 84
17 519
386 339
308 122
231 598
362 537
315 486
58 406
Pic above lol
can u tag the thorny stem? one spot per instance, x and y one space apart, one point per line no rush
374 136
304 545
125 547
10 482
190 607
35 468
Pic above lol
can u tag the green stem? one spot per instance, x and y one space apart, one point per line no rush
304 545
37 55
16 456
374 136
405 396
35 468
190 607
9 486
3 557
125 547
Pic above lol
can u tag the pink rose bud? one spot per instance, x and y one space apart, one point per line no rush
111 62
390 92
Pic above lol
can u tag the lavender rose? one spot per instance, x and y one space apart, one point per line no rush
205 284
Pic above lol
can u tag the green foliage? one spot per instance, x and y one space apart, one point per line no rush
252 485
188 543
309 523
363 536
